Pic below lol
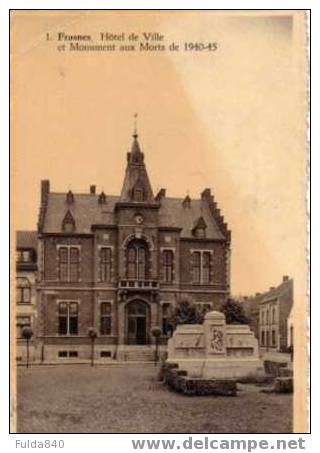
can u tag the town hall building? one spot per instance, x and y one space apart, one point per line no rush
121 263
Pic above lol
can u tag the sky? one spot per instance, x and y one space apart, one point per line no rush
232 120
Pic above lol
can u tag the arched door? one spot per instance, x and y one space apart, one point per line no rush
137 322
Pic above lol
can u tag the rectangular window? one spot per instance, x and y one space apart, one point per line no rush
68 318
23 290
74 264
73 318
105 264
206 268
26 256
168 266
105 318
267 339
69 264
196 267
273 339
262 338
63 264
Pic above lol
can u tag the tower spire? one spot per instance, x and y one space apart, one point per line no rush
136 185
135 129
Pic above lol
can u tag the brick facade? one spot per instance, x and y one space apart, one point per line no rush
138 254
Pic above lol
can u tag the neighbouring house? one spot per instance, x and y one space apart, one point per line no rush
270 312
119 263
25 289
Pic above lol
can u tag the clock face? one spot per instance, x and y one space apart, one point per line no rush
138 219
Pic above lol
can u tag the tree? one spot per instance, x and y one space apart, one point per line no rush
92 333
234 312
27 334
186 312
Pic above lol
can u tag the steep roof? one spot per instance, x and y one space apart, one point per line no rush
26 239
86 211
136 176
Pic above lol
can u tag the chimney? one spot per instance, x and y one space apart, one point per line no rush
285 278
45 189
206 193
92 189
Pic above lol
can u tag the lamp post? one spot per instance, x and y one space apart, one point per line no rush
27 334
92 333
156 333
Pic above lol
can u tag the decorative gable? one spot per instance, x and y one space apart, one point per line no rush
68 223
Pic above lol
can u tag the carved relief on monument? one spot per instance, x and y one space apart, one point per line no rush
217 340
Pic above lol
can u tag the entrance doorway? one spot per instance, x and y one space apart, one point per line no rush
137 322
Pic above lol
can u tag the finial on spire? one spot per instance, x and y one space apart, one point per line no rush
135 131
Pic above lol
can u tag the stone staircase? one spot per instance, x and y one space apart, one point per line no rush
138 353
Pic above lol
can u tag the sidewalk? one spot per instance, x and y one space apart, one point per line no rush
111 362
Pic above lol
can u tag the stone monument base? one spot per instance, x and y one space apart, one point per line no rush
214 350
221 368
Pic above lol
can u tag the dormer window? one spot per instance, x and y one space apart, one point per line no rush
200 233
199 230
69 197
138 194
68 223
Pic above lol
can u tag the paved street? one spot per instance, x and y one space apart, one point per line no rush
78 398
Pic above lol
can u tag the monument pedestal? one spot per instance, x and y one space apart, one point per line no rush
215 350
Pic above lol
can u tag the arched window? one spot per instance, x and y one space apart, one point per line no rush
137 260
23 290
